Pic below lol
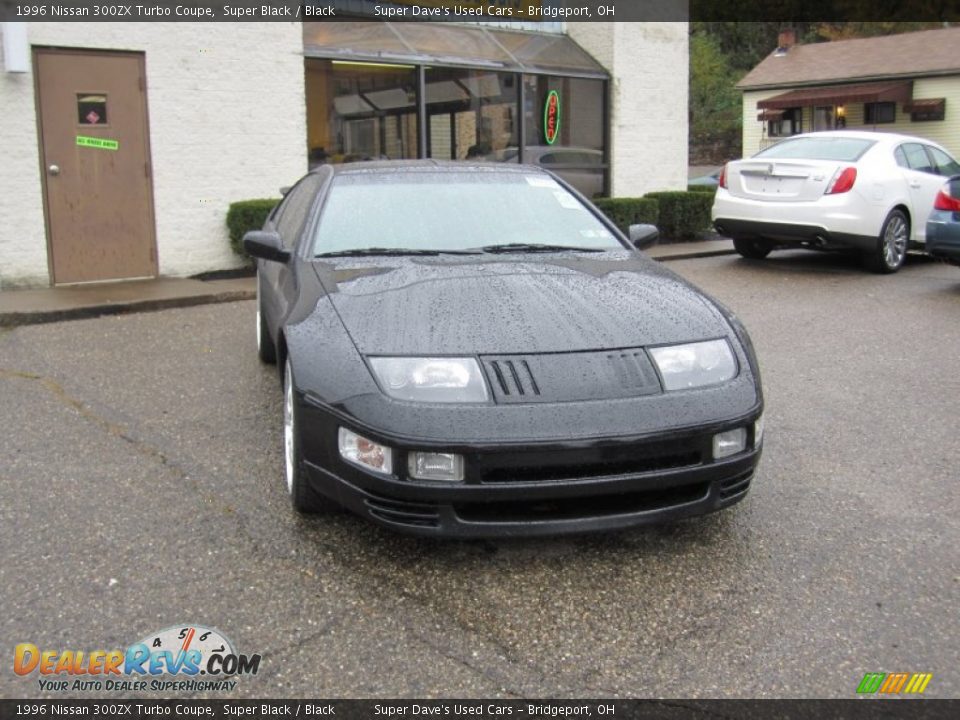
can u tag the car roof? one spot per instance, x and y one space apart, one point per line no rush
866 135
389 166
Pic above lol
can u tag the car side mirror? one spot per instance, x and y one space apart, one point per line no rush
266 245
644 235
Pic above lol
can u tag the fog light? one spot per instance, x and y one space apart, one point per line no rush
729 443
435 466
365 453
758 432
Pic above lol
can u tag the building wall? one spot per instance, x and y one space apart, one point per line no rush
227 122
649 89
946 131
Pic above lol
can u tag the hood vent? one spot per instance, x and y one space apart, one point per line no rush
570 377
513 377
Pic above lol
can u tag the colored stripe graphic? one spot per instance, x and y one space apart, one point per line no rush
894 683
871 682
918 683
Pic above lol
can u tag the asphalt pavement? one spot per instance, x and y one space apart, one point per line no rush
141 488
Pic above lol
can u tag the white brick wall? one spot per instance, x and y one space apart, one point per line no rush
649 88
227 122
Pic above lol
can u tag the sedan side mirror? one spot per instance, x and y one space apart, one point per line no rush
266 245
643 236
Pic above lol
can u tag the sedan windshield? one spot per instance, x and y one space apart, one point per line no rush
842 149
477 210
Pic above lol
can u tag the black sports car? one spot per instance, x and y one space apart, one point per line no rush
475 350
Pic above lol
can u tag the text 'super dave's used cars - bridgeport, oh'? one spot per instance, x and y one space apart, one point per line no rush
475 350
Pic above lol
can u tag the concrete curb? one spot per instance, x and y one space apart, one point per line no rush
695 254
16 319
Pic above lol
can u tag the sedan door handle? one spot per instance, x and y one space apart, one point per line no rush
914 184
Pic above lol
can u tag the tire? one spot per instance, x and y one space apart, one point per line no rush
892 243
305 499
752 248
266 348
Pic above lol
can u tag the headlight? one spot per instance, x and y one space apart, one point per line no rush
695 364
438 380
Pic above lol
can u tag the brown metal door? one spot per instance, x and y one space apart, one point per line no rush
95 162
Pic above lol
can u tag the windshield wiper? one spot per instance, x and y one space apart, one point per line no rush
393 251
535 247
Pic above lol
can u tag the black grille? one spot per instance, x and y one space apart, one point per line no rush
738 485
575 470
581 507
403 513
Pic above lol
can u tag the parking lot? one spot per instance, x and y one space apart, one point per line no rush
142 487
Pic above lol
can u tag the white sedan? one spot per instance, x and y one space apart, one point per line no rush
869 191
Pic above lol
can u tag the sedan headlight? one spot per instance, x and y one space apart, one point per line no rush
436 380
695 364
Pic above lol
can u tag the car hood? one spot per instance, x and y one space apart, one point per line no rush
513 304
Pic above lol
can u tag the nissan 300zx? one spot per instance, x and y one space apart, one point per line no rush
476 350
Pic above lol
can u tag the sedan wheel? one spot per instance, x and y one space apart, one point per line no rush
303 497
891 248
265 346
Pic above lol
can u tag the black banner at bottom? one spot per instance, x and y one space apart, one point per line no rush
857 709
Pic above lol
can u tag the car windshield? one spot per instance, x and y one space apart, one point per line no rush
476 210
843 149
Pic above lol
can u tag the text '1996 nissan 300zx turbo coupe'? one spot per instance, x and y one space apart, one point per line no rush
475 350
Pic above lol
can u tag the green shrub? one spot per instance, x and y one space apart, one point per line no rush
683 214
702 188
244 216
624 212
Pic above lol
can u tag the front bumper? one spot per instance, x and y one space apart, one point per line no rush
537 488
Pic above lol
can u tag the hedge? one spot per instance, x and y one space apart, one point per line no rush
624 212
683 214
244 216
702 188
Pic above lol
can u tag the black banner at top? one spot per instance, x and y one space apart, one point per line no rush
502 11
127 709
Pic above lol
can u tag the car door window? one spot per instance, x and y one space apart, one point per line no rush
293 211
917 158
901 157
945 165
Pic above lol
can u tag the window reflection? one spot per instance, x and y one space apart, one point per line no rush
360 111
471 114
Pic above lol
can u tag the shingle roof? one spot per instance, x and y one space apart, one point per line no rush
929 52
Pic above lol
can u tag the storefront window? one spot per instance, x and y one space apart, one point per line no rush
360 111
472 114
564 119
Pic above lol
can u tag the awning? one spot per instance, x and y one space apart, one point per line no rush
447 44
926 105
899 91
766 115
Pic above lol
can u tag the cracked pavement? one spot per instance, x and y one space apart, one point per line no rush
141 481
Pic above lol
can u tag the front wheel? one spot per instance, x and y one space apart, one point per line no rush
891 249
304 498
752 248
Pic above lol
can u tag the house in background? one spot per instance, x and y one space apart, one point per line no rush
908 83
126 142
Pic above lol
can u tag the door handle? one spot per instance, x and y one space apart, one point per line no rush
914 184
54 169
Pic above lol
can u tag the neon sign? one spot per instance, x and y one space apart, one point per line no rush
551 117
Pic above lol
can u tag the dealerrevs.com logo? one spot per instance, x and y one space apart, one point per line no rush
187 658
